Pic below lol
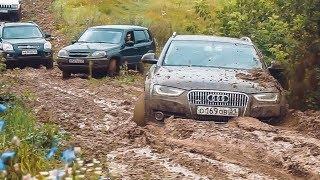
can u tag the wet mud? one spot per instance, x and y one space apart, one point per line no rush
98 116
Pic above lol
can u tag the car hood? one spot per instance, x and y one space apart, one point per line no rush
196 78
91 47
26 41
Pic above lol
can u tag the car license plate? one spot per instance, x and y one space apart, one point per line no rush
76 61
3 11
29 52
217 111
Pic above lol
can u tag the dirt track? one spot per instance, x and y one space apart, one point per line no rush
97 113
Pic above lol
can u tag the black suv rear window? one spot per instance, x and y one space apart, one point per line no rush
21 32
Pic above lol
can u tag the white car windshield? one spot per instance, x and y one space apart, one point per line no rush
212 54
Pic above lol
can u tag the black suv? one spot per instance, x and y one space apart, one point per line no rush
106 49
25 44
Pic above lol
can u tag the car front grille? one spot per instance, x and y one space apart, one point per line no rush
4 6
79 54
218 98
28 47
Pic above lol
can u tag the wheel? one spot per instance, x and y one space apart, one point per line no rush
65 74
140 68
9 65
16 16
139 112
49 64
113 68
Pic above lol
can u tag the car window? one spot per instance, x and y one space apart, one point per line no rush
140 37
21 32
212 54
148 35
102 35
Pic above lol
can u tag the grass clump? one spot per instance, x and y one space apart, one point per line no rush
29 140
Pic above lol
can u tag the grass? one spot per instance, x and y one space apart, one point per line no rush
34 140
163 17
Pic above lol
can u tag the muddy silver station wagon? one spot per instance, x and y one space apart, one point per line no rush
211 78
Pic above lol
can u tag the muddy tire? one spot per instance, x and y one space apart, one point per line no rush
140 68
49 64
16 17
139 112
66 75
9 65
113 68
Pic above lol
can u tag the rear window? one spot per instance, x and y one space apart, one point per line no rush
21 32
212 54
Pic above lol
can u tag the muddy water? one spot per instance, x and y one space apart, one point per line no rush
98 116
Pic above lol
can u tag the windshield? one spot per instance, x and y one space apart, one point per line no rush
212 54
21 32
112 36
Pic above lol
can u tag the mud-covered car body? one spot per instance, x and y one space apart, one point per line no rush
11 8
25 44
76 57
217 92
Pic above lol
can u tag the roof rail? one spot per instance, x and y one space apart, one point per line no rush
174 34
31 22
247 39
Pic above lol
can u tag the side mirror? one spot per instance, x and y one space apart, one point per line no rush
73 41
129 43
149 58
47 35
278 72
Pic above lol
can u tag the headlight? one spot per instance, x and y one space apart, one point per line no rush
267 97
15 6
47 46
167 91
7 47
99 54
63 53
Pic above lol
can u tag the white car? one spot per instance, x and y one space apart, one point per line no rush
11 8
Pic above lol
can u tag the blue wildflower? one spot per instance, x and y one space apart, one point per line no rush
2 166
68 156
2 124
3 108
52 152
7 156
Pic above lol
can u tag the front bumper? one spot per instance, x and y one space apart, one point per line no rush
181 107
9 11
17 57
98 64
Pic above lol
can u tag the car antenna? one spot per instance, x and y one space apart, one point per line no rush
174 34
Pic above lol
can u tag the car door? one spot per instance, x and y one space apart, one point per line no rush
129 52
142 43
